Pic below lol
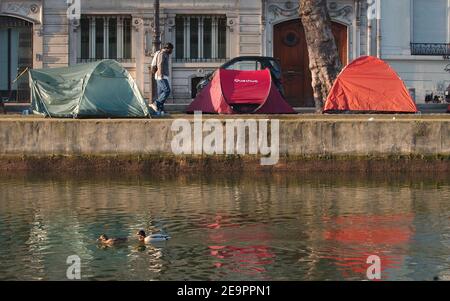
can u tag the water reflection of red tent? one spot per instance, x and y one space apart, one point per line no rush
234 91
251 257
369 84
363 236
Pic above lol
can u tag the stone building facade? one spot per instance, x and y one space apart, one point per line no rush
412 35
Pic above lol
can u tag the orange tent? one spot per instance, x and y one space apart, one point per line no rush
369 84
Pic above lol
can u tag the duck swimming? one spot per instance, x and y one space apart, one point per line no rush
151 238
105 240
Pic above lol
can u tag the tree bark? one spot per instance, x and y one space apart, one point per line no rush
324 61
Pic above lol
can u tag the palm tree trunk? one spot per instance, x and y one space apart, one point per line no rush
324 61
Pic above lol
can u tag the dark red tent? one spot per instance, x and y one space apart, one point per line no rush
233 91
369 84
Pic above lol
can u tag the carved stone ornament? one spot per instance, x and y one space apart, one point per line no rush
137 22
290 9
24 9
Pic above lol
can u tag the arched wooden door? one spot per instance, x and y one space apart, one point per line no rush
290 48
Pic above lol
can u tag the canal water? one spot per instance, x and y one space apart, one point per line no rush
226 226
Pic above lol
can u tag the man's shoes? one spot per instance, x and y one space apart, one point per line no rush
153 107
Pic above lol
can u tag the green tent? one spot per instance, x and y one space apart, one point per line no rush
100 89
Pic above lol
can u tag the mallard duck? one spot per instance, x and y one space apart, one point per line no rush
105 240
151 238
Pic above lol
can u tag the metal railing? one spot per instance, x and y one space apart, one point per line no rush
91 60
438 49
203 60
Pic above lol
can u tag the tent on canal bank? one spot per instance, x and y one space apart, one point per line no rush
369 85
100 89
235 91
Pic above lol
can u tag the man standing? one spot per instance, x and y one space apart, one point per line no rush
160 67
